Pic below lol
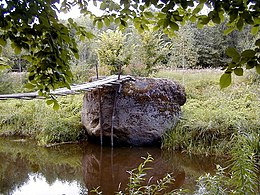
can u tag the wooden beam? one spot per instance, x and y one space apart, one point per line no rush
75 89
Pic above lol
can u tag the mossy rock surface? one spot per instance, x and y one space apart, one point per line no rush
144 110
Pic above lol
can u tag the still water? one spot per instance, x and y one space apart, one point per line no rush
26 168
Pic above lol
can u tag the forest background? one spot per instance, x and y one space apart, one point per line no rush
141 54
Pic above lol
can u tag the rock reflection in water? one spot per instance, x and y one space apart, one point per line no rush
101 167
107 168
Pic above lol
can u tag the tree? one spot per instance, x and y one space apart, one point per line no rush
184 53
171 13
112 52
34 26
153 50
211 44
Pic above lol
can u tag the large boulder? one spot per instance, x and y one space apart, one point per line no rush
143 110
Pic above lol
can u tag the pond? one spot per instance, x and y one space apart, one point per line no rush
77 168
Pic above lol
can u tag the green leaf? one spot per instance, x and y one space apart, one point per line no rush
232 52
49 102
239 71
103 6
56 105
17 50
3 67
156 28
166 23
76 55
40 93
90 35
225 80
178 18
174 26
198 8
233 15
249 53
106 21
216 19
29 86
141 7
255 30
232 65
3 42
148 14
256 21
240 24
251 64
99 24
200 26
257 67
117 21
123 23
204 20
82 37
193 19
221 16
70 20
257 43
229 30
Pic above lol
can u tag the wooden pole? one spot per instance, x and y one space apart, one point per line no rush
117 92
119 71
100 109
113 120
100 117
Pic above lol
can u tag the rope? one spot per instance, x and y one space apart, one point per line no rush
117 93
100 109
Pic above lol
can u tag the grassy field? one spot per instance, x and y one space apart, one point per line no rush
211 116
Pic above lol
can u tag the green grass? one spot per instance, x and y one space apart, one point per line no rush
211 116
12 82
35 119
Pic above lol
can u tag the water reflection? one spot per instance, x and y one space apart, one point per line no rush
37 184
108 167
78 167
20 160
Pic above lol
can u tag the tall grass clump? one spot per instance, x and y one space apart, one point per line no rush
212 116
242 177
35 119
244 172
